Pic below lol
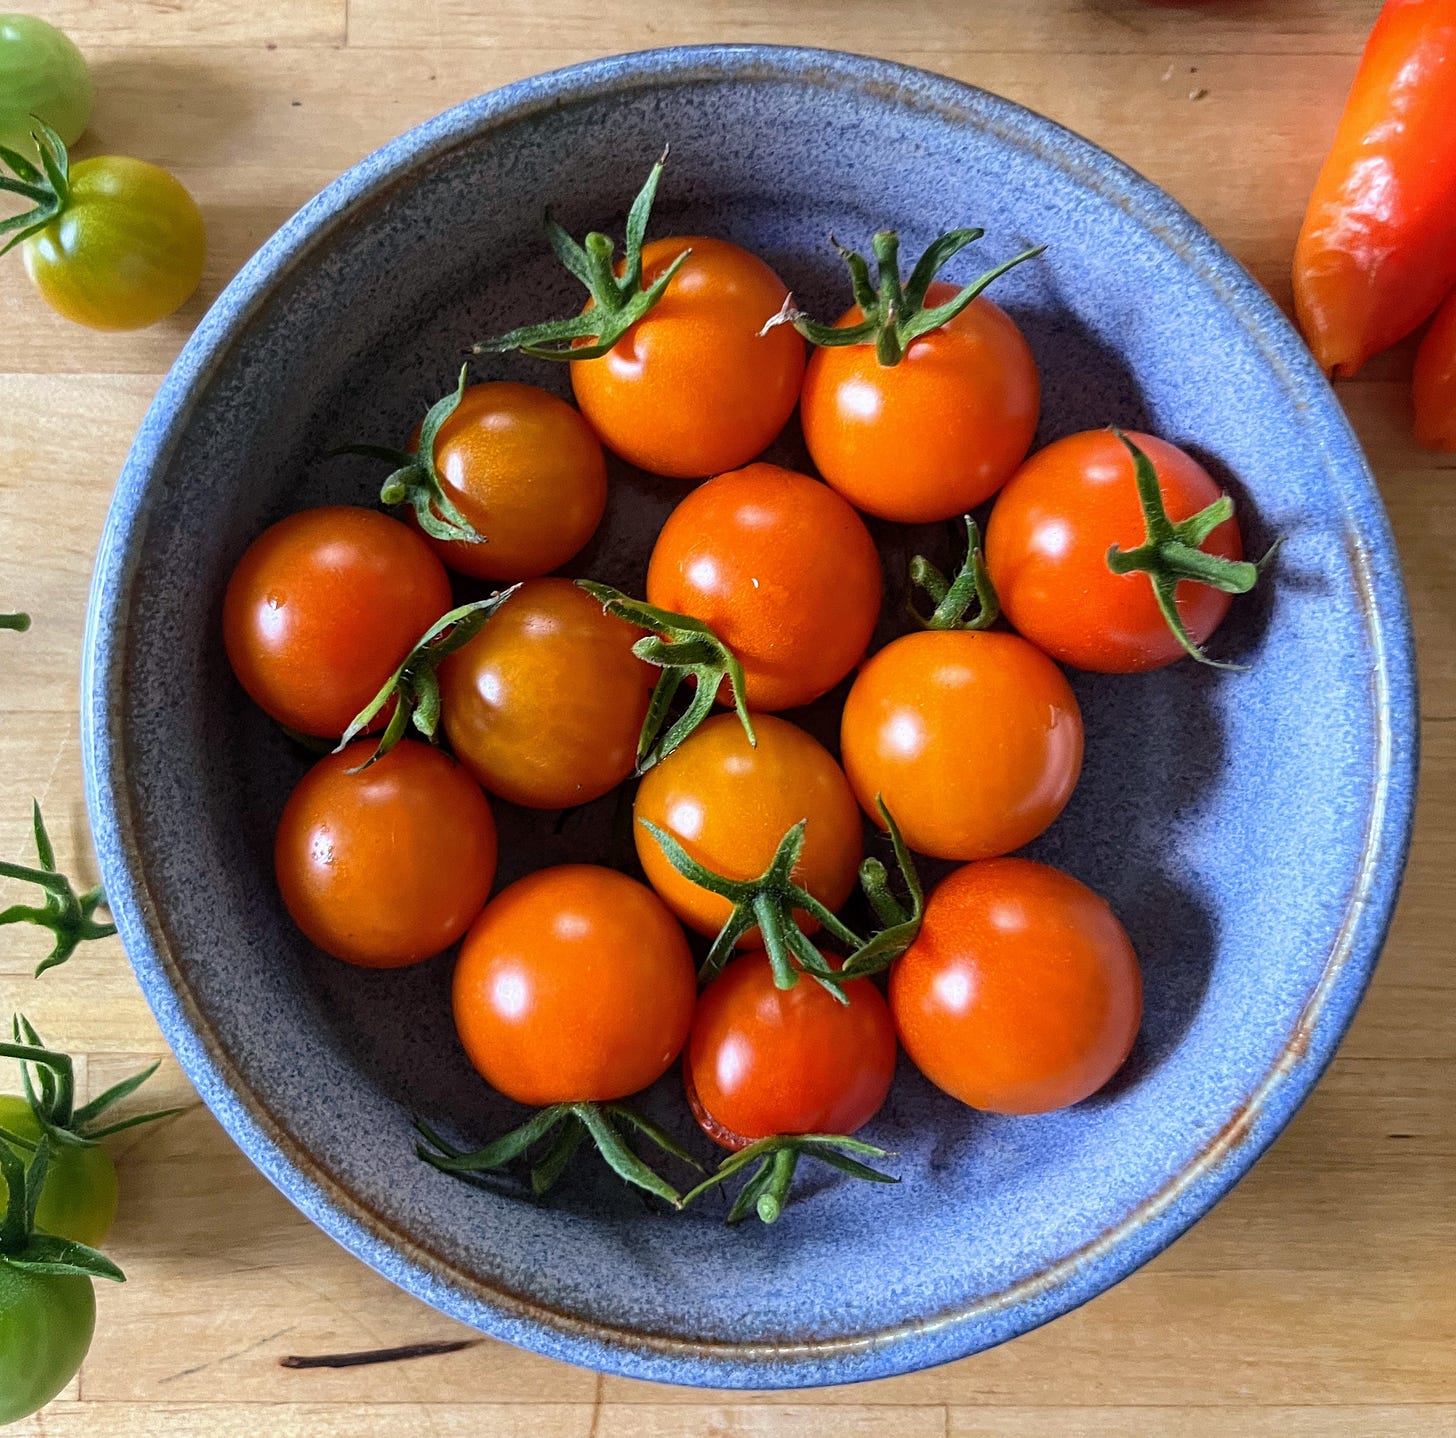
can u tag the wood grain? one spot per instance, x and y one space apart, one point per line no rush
1315 1302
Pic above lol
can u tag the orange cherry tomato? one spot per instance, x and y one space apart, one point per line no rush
934 435
782 570
575 985
1047 543
763 1061
730 804
1022 992
1433 383
526 471
321 609
388 866
693 388
974 740
544 705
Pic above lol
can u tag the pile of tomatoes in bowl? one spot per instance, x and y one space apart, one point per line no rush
1010 985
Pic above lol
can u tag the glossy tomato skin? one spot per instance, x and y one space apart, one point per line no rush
46 1323
974 739
730 804
545 704
693 388
1022 993
1047 543
321 609
526 471
763 1061
389 866
575 985
934 435
782 570
127 249
78 1200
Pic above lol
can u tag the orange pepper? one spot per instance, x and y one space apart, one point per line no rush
1434 381
1378 249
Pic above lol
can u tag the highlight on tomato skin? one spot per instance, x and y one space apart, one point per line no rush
783 571
387 866
1022 993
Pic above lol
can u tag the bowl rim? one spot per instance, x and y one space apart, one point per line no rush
518 1317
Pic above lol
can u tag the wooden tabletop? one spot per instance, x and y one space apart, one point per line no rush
1319 1299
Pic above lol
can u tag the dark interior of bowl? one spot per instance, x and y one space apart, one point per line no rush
1223 815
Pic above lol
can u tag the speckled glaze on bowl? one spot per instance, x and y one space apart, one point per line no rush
1249 828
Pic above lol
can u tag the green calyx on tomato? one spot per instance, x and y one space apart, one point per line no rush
771 902
48 189
415 480
414 686
894 311
682 647
67 914
1171 553
953 599
777 1158
18 622
570 1123
618 301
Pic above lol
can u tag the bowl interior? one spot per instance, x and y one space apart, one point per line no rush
1227 817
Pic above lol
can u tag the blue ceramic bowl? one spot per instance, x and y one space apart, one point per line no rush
1249 828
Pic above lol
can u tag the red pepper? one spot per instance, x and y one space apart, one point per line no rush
1377 253
1434 382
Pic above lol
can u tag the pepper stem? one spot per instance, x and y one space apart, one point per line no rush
771 902
415 686
1171 553
48 188
682 647
618 302
952 600
566 1125
894 314
777 1160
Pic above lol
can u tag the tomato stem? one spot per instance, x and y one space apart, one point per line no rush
415 481
566 1125
18 622
618 303
414 686
68 915
1171 553
777 1159
49 192
895 313
952 600
902 925
683 648
21 1246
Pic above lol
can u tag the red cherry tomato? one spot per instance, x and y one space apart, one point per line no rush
763 1061
321 609
973 739
1022 993
388 866
1047 543
934 435
782 570
544 705
693 388
526 471
575 985
730 804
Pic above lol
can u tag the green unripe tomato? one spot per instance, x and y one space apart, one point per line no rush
41 73
46 1323
78 1200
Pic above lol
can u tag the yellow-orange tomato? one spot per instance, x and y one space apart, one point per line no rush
388 866
729 805
934 435
1022 992
693 388
575 985
526 471
973 739
782 570
545 704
